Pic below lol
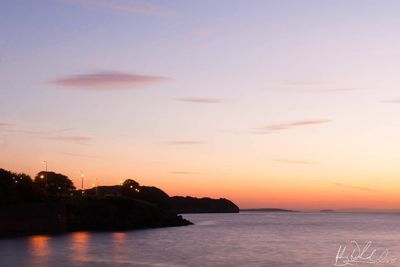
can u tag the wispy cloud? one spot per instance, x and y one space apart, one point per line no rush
332 90
55 134
304 83
35 132
202 33
108 80
78 155
313 87
393 101
81 140
289 125
4 124
128 6
201 100
186 142
184 173
353 187
293 161
347 186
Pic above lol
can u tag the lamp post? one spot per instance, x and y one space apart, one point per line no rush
82 176
45 174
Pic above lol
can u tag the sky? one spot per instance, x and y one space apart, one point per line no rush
278 103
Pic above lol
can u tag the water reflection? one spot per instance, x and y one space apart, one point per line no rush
40 250
256 239
119 239
119 246
79 246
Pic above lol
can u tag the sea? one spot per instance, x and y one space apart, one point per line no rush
245 239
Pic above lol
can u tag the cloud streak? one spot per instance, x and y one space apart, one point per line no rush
35 133
333 90
289 125
184 173
353 187
304 83
108 81
81 140
186 142
393 101
78 155
293 161
200 100
127 6
345 186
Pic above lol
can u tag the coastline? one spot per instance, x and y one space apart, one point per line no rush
54 218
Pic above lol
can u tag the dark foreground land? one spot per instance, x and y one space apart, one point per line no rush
50 204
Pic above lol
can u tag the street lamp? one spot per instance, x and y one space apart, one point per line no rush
82 176
45 162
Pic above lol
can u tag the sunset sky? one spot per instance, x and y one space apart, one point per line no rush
287 104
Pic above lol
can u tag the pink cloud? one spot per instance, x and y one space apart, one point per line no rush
289 125
184 173
186 142
293 161
81 140
393 101
201 100
108 80
202 33
354 187
78 155
128 6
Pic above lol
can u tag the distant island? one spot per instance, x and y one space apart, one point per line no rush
266 210
327 210
50 204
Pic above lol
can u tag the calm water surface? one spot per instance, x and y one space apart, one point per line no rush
245 239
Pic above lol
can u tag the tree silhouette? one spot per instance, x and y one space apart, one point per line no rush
130 188
18 187
55 184
130 183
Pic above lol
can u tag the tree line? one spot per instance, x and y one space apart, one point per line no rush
20 187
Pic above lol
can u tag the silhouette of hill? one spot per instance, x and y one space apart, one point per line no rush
51 204
187 204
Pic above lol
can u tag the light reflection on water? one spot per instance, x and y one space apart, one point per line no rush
40 250
39 246
79 246
246 239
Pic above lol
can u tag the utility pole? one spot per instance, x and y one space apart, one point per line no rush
82 176
45 177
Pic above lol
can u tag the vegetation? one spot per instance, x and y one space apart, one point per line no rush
19 188
50 203
202 205
55 184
